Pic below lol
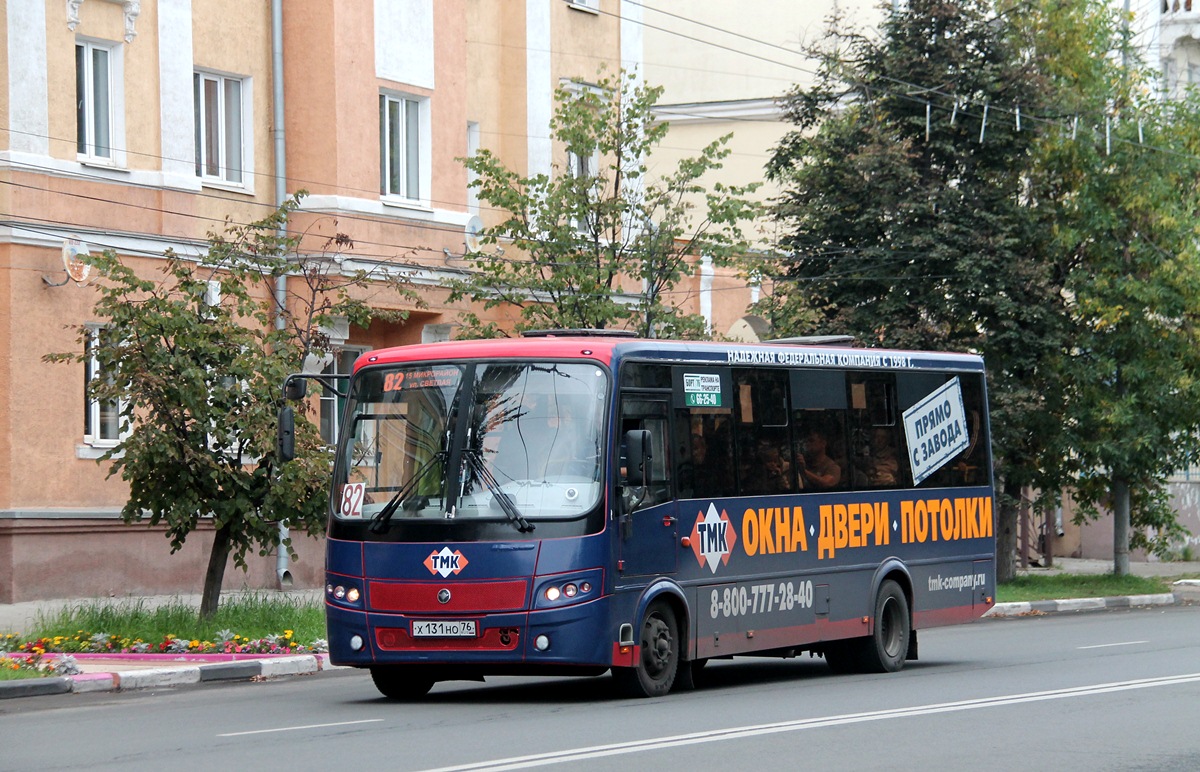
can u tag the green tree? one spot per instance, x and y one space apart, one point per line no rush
924 212
196 360
907 219
600 242
1132 415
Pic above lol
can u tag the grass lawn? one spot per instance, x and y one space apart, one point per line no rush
8 674
249 616
1059 586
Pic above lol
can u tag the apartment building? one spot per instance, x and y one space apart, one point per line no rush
141 127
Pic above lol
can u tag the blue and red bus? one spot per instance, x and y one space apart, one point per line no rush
575 503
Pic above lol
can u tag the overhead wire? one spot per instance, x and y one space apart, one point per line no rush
340 215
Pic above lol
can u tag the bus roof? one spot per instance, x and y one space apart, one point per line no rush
609 350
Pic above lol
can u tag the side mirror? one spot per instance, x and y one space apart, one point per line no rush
295 387
285 440
639 453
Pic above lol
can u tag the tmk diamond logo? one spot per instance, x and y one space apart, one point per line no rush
445 562
713 538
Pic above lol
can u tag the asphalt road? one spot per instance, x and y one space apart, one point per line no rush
1114 690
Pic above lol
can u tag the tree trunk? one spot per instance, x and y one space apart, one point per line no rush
1120 495
1006 532
214 577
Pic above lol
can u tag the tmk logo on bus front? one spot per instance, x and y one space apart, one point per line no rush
713 538
446 562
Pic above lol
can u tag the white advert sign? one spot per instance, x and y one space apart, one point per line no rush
936 430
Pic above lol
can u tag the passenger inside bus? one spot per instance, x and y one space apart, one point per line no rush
817 469
771 472
884 461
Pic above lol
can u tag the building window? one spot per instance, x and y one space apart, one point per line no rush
94 100
586 168
400 146
101 418
592 6
331 403
219 147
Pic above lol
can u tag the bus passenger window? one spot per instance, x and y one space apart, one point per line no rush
649 416
877 445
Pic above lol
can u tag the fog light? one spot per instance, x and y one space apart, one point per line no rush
356 643
586 587
339 592
552 593
352 595
570 591
329 589
541 643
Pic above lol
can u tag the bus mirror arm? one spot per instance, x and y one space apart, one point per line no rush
295 386
285 441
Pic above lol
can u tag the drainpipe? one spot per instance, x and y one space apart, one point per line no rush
282 574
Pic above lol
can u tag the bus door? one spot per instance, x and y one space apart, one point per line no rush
649 515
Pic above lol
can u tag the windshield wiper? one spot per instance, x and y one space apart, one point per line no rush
501 498
382 519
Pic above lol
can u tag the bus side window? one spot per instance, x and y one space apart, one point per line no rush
764 450
704 452
877 437
651 416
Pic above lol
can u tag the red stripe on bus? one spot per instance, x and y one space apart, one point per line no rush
464 597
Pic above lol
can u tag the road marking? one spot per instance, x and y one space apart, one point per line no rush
738 733
297 728
1109 645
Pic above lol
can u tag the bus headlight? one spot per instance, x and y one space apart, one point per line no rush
573 589
343 593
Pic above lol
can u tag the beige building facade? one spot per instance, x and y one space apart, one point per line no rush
141 127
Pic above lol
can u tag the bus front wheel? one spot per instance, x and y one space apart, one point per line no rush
658 656
400 683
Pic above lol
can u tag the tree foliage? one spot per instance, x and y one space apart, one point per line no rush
940 192
195 359
601 241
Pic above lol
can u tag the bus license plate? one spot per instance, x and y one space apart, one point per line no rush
443 628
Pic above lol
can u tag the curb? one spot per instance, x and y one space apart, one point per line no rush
1079 604
188 672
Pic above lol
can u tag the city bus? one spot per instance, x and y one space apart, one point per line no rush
581 503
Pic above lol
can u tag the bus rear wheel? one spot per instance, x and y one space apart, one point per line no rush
659 656
885 650
401 683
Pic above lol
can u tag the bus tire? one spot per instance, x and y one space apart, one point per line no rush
401 683
659 656
885 649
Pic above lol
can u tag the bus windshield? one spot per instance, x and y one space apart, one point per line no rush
516 441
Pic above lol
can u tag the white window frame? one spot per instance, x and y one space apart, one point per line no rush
341 364
590 6
583 167
220 170
86 107
94 434
409 186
